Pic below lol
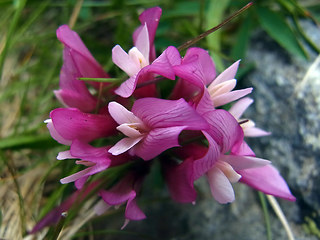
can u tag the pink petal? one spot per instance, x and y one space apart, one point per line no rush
221 188
133 212
180 180
142 42
161 66
121 115
157 141
224 129
85 62
160 113
126 88
197 67
124 61
75 99
244 162
230 96
240 107
84 173
255 132
55 134
267 180
85 151
205 103
72 124
227 74
65 155
124 145
242 149
72 40
151 18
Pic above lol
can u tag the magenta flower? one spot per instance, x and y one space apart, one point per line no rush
153 126
139 63
125 191
77 62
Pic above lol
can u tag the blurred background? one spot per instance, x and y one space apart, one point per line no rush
279 44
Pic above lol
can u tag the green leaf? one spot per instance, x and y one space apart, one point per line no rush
215 15
28 141
239 49
276 26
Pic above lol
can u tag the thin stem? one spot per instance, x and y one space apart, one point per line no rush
206 33
277 209
266 214
150 82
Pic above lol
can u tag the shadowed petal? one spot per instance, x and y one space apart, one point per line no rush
221 188
224 129
205 163
180 180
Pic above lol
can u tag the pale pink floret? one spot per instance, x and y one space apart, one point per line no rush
221 88
153 126
149 17
225 172
248 127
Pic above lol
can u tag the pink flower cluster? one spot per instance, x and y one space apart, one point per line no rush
187 132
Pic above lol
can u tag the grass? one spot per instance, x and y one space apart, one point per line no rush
30 61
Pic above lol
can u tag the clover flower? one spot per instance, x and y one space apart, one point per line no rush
187 133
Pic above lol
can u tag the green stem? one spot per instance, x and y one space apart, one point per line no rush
206 33
266 214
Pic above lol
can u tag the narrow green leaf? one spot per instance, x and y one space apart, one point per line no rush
276 26
20 6
239 49
28 141
215 15
101 79
266 214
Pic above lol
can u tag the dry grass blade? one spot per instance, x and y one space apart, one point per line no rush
277 209
29 186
